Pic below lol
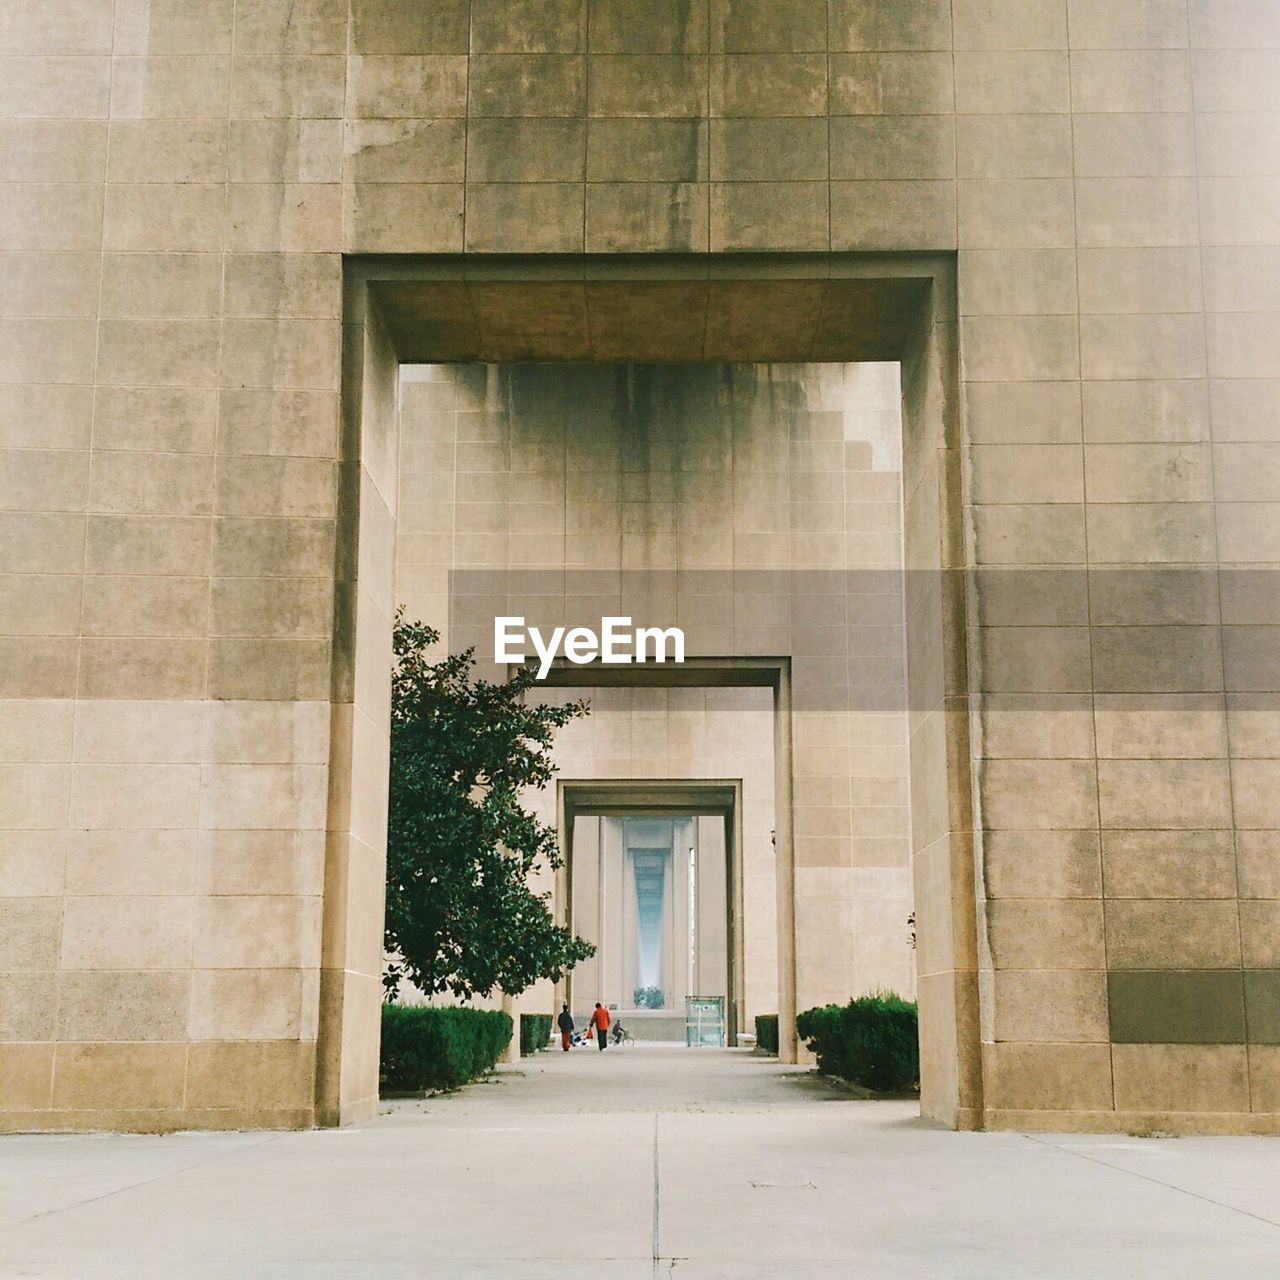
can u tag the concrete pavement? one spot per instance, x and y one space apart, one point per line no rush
641 1162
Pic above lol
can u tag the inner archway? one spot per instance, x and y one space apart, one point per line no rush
651 879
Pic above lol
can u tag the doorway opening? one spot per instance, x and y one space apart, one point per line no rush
652 878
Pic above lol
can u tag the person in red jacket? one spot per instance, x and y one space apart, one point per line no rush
600 1023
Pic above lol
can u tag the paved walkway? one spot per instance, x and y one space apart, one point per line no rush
642 1162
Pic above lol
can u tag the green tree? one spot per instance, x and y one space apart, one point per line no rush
461 915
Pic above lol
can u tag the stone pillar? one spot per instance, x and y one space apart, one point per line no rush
355 857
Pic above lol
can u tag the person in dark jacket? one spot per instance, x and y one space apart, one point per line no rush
565 1023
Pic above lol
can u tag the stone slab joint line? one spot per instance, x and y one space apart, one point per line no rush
1146 1177
657 1115
147 1182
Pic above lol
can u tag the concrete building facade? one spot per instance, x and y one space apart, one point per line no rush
228 223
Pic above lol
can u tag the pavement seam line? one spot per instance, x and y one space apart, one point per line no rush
1145 1177
146 1182
656 1117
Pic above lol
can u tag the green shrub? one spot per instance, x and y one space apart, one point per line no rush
649 998
767 1032
535 1032
820 1029
873 1041
428 1048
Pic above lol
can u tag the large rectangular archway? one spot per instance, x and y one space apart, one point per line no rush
795 308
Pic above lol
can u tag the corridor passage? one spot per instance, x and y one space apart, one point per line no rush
643 1077
641 1162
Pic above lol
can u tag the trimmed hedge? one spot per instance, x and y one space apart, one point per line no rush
428 1048
535 1032
873 1041
767 1032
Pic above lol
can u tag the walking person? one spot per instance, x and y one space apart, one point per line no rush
600 1021
565 1023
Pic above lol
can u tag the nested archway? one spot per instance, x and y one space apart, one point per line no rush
652 874
760 934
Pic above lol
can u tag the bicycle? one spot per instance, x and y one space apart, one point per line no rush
620 1035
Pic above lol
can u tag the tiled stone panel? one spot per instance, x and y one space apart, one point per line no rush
1115 773
170 307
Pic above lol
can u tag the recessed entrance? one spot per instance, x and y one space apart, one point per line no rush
651 879
695 311
739 825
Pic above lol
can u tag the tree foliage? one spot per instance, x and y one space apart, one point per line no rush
461 914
